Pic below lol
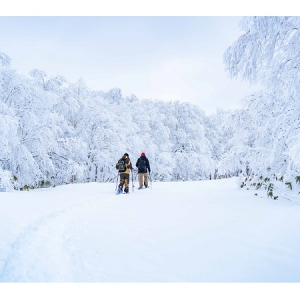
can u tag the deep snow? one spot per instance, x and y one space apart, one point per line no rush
204 231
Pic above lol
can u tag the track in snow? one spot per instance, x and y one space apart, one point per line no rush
207 231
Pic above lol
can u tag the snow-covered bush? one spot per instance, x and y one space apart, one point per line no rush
6 181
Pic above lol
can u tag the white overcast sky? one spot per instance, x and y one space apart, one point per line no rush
154 57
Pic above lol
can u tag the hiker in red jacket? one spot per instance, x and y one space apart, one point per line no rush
143 164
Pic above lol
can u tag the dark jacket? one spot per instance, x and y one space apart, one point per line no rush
143 164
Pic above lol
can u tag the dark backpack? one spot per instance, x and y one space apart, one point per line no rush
121 165
143 165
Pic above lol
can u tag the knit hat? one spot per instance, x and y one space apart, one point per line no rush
126 154
143 154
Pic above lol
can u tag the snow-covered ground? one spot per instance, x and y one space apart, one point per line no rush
205 231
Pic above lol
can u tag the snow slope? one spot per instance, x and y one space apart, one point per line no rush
205 231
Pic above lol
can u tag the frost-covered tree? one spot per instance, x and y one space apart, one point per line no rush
268 54
54 132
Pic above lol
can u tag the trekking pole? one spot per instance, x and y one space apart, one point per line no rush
132 182
114 178
150 180
117 182
136 175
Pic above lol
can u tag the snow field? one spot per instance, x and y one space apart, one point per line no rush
205 231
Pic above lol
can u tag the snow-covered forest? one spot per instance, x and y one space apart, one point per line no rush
54 132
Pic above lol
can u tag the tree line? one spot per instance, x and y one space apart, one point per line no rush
54 132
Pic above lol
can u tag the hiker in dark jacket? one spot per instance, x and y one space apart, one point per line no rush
124 173
143 164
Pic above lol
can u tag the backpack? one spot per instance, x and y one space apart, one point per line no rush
121 165
143 165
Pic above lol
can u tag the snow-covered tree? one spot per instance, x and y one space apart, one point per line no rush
54 132
268 54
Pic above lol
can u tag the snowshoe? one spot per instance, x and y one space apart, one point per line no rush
119 191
